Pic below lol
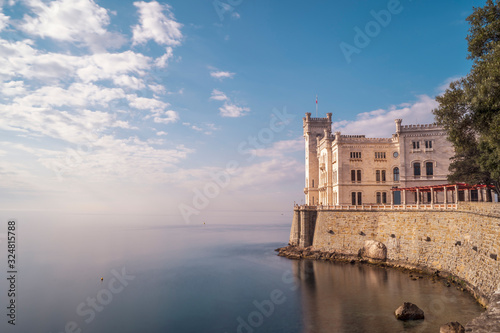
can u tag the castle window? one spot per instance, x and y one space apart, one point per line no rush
356 198
355 155
380 155
355 175
313 183
381 197
416 169
428 144
416 144
429 167
380 175
396 174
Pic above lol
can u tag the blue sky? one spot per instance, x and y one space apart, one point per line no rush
190 108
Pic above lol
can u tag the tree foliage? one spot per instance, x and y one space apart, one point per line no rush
469 110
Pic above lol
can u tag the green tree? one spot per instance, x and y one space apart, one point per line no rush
469 110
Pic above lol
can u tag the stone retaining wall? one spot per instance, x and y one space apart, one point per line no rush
463 242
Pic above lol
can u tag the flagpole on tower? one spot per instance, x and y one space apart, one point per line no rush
316 106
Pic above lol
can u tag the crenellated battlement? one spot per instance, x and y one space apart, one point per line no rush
308 118
364 139
318 119
419 126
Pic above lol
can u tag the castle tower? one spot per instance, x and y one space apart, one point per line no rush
398 125
314 129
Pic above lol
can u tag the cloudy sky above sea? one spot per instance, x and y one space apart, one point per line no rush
184 107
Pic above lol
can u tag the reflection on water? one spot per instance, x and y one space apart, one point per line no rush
338 297
202 278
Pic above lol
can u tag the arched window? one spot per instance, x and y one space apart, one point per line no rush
381 197
429 167
396 174
416 169
356 198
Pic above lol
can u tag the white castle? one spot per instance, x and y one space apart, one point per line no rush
355 170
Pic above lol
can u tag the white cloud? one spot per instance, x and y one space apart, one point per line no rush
229 109
77 94
280 148
162 61
446 84
144 103
218 95
119 158
3 21
76 127
232 110
157 88
380 123
166 117
109 65
210 128
206 128
129 82
20 58
156 22
123 124
65 107
235 15
220 75
12 88
80 21
268 172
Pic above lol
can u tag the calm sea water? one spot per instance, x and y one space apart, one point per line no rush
159 277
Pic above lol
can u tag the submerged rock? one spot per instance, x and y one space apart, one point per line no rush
452 327
409 311
374 250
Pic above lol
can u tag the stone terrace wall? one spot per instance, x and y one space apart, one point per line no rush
465 242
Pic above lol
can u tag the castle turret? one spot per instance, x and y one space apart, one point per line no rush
398 125
313 128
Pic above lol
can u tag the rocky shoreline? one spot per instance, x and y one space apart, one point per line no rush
415 272
489 321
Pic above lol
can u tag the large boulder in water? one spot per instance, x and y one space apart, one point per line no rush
409 311
374 250
452 327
